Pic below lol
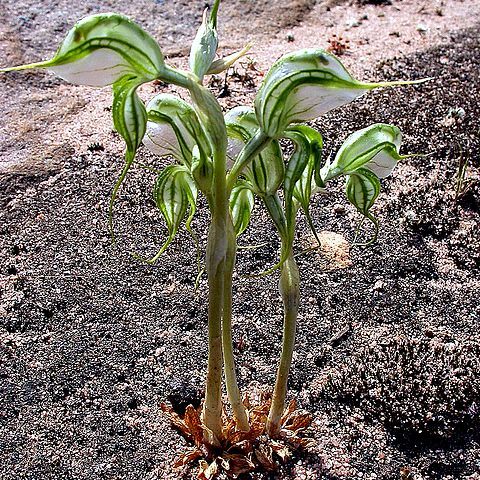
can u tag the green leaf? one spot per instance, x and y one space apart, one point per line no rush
302 86
375 148
266 171
363 188
174 193
173 129
241 206
130 120
102 49
204 46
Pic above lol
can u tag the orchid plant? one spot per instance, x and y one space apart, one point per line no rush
230 160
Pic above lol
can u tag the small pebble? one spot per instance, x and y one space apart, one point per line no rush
339 209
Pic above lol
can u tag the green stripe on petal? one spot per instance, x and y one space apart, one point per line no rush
101 49
266 172
306 186
241 205
302 86
174 129
130 120
174 194
375 148
363 188
204 46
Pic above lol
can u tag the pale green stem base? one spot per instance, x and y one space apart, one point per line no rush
233 391
212 407
289 286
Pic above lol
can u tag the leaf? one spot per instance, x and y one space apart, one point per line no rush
173 129
298 420
236 465
101 50
266 171
222 64
176 421
204 46
194 424
206 471
374 148
292 406
130 120
264 454
281 450
241 206
363 188
189 456
302 86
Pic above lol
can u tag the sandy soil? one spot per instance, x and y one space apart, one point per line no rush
91 341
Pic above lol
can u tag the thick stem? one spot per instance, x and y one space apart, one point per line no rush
211 116
212 407
289 286
233 391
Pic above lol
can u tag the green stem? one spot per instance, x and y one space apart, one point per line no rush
289 287
212 407
211 116
233 391
256 144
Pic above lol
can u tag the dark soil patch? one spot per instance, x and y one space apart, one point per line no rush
92 341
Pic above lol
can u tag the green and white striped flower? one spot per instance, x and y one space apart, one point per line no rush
173 129
265 173
102 49
363 188
175 194
302 86
375 148
242 202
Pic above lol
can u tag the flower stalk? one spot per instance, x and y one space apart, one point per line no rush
231 383
289 286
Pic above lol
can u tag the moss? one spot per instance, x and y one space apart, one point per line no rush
416 387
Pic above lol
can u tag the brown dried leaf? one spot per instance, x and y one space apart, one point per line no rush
299 442
244 446
194 424
266 398
292 406
176 421
238 464
189 456
298 420
246 401
264 455
229 429
280 449
256 429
